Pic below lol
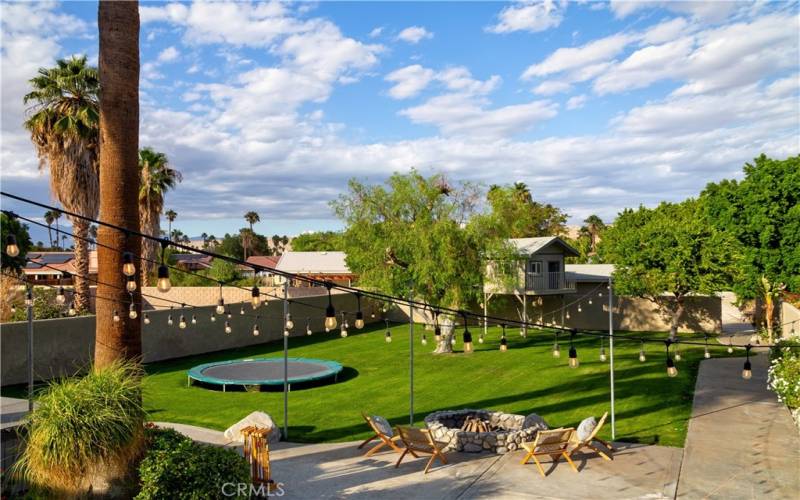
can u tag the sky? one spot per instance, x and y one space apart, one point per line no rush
273 107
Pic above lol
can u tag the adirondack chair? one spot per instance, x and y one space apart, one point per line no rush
420 441
577 444
383 432
552 442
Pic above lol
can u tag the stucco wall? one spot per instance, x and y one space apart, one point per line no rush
65 346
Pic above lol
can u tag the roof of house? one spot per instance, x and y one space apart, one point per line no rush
56 262
264 260
532 246
313 263
591 273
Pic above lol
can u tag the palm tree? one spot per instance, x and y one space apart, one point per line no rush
522 193
251 218
63 121
49 219
118 24
594 226
93 235
157 178
171 216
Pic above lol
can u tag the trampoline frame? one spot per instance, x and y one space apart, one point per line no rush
195 373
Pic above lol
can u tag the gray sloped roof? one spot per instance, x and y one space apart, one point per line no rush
531 246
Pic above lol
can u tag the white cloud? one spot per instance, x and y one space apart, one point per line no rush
577 102
550 87
409 81
569 58
169 54
376 32
414 34
530 15
713 11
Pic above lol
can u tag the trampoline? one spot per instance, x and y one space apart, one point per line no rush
263 372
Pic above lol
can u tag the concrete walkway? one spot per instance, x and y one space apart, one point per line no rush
742 443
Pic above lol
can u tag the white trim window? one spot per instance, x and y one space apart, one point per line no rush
535 267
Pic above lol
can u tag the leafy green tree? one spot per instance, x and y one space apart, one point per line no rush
414 232
670 249
762 211
222 270
8 226
231 244
515 214
319 241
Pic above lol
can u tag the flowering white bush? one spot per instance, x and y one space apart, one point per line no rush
783 376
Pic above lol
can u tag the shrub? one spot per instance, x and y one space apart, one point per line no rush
84 428
784 373
175 467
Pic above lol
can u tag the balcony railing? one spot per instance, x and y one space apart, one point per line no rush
548 281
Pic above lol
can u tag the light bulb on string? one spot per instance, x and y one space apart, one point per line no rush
567 315
671 370
13 308
163 283
29 297
289 323
343 330
730 344
228 313
170 322
71 310
503 340
130 284
747 372
308 326
256 331
241 310
480 338
116 316
467 337
573 353
220 309
255 297
424 339
589 301
228 328
132 314
212 318
359 324
678 356
603 356
388 336
330 312
556 348
579 308
437 330
706 352
182 322
128 268
194 319
642 356
12 249
146 319
60 297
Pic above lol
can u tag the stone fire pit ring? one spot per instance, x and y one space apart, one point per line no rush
507 431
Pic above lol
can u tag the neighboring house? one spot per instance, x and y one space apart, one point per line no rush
326 266
266 277
46 268
191 261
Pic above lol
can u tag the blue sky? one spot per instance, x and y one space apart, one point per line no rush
272 107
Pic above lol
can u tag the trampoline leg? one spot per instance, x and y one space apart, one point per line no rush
223 388
290 387
188 381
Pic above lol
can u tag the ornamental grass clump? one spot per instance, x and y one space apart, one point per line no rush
783 376
85 431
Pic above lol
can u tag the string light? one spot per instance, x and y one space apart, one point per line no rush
343 331
12 249
579 308
228 312
128 268
163 284
116 316
671 370
388 337
146 319
71 311
308 326
228 328
289 323
60 297
241 310
603 356
212 318
437 330
169 317
730 344
130 284
330 312
194 319
556 348
480 338
255 296
573 353
678 356
747 372
132 314
256 331
467 337
503 341
642 356
220 309
706 352
182 322
424 339
29 297
590 301
567 316
359 324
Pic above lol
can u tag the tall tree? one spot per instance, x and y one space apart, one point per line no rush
63 123
49 219
668 253
251 218
515 214
118 23
157 178
318 241
593 226
762 211
171 216
414 231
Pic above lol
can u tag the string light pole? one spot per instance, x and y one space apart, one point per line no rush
611 353
285 361
411 354
29 306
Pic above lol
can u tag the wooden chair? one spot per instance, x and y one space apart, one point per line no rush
420 441
386 439
577 444
552 442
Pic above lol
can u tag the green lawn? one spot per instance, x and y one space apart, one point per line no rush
650 407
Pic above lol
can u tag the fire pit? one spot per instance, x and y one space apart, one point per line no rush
473 431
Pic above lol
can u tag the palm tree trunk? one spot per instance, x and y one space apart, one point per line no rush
80 231
119 177
58 232
50 234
